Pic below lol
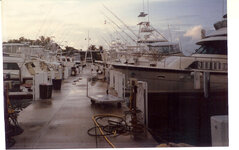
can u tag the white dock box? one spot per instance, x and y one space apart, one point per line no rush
219 130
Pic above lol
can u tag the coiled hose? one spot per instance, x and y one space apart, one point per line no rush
113 128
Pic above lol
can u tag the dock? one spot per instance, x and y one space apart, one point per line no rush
63 120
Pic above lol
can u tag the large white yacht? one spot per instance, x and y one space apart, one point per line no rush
177 73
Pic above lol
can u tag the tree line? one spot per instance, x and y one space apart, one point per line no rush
49 44
46 42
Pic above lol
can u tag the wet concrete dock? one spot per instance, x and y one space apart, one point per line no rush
63 120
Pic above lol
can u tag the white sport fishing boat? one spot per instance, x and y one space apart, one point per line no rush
150 46
178 73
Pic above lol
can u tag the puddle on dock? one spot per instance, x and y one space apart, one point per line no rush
43 103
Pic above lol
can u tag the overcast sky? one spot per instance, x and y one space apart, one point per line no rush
70 20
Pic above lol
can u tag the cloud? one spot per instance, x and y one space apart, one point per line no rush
194 32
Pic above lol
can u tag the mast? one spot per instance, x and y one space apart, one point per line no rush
222 7
88 40
148 9
88 58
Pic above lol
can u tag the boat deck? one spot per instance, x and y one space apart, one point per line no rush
63 120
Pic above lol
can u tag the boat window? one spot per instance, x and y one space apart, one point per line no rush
213 48
10 66
6 50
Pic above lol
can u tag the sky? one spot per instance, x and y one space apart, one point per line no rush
69 21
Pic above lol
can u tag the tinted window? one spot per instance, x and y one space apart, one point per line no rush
213 48
10 66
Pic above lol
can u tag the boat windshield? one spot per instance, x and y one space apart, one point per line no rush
213 48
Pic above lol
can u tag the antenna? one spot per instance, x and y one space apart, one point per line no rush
148 9
222 7
88 39
143 5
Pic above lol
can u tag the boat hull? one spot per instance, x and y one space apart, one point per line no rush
168 80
